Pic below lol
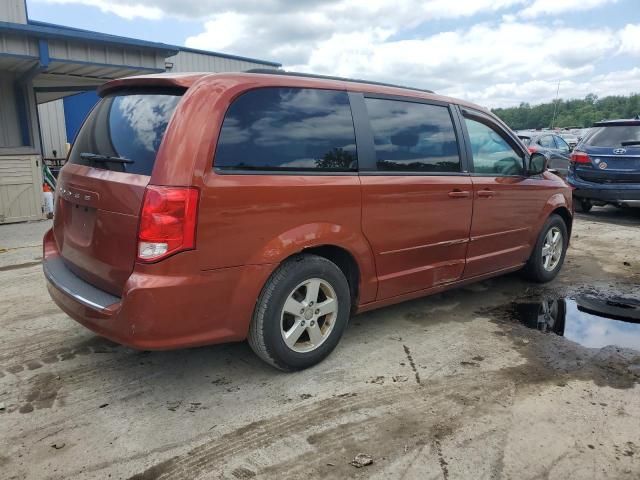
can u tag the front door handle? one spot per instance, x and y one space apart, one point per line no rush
459 194
486 193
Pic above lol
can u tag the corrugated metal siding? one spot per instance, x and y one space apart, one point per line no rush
197 62
52 128
9 123
20 189
18 45
104 54
13 11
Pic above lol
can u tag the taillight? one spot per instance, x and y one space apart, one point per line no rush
533 150
580 157
167 222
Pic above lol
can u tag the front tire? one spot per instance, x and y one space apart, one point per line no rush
301 313
548 254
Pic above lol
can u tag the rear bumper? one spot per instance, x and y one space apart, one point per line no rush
608 195
606 192
160 311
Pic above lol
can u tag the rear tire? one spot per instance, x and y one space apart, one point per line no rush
548 254
301 313
583 205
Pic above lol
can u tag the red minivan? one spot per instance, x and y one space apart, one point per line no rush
204 208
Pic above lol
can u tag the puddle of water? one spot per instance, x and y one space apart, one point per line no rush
589 321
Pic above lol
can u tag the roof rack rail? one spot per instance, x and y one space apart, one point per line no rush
328 77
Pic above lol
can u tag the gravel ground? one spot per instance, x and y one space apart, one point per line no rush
449 386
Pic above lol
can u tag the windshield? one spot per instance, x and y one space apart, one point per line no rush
613 136
128 126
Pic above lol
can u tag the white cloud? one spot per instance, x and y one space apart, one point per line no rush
556 7
507 56
630 40
622 82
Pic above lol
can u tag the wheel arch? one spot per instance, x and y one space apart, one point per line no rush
556 204
345 261
346 247
564 213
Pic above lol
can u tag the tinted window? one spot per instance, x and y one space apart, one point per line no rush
126 125
288 129
547 142
413 136
525 140
613 136
491 153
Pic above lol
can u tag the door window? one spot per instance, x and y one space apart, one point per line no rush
562 145
288 129
413 137
547 142
492 155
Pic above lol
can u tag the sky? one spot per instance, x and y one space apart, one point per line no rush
497 53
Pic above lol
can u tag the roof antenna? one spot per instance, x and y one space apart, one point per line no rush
555 109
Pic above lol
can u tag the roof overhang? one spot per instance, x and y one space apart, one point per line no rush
58 64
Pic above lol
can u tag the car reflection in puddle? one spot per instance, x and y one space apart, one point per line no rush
589 321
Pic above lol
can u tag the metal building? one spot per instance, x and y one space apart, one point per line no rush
60 119
42 66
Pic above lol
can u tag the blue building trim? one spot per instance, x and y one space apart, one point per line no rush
70 88
43 51
23 114
20 91
108 65
59 32
232 57
18 55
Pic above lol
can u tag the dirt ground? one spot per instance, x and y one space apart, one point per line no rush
445 387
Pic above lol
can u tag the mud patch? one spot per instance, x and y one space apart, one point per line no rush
539 329
92 345
412 363
18 266
42 393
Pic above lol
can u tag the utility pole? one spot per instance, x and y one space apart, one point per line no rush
555 108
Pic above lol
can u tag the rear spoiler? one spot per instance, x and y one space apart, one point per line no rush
617 123
159 80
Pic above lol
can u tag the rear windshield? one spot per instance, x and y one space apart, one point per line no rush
613 136
526 140
124 131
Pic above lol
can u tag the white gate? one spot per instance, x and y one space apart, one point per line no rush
20 188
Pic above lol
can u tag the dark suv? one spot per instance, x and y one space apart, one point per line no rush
605 166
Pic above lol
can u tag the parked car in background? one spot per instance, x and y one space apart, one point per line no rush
205 208
580 133
570 138
605 166
551 145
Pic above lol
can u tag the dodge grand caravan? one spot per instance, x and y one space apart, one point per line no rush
203 208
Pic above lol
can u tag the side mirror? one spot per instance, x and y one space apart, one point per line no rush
538 163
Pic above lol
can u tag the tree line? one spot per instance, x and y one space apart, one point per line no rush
570 113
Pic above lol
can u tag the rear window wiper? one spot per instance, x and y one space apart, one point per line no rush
96 157
628 144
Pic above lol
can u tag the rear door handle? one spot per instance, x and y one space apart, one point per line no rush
459 194
486 193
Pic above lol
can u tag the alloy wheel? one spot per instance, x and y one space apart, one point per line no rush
309 315
552 249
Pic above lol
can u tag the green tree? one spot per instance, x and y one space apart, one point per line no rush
570 113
